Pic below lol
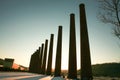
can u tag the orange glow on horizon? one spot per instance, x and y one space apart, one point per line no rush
15 66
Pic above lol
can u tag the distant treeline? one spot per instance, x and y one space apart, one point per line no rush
106 69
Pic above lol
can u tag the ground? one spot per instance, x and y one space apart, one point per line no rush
32 76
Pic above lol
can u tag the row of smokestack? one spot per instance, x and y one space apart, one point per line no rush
38 59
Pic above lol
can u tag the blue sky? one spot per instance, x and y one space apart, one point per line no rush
25 24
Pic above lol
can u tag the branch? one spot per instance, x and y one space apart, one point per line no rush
106 5
116 3
117 32
111 14
108 19
110 11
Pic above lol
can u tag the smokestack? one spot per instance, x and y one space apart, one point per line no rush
49 65
72 68
44 58
41 58
86 69
58 53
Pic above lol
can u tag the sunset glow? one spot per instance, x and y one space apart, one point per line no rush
25 24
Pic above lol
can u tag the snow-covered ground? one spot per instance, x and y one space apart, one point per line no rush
22 76
106 78
32 76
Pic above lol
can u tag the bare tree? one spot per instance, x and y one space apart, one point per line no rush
110 13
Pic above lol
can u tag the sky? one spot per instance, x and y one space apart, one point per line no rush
26 24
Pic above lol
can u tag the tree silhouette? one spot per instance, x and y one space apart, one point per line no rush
110 13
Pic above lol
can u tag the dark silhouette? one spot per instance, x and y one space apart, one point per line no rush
41 58
106 69
33 63
72 68
38 63
44 58
86 69
49 65
35 58
58 53
36 55
31 66
8 61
